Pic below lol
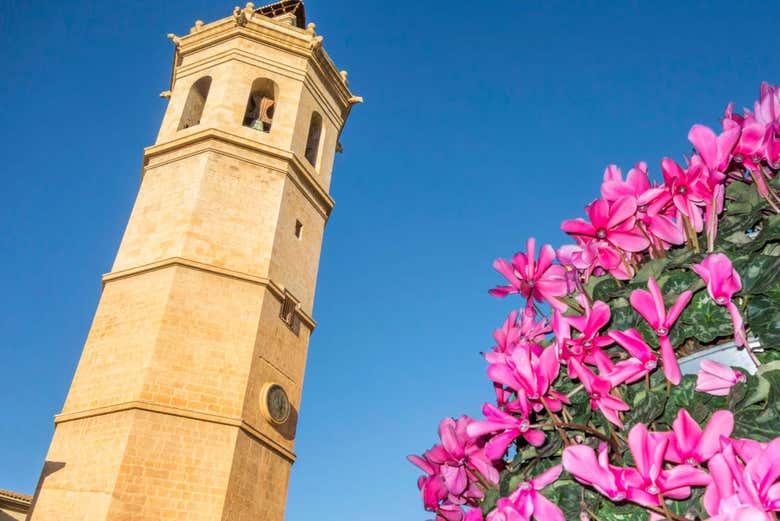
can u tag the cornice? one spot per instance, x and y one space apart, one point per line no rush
142 405
301 174
275 289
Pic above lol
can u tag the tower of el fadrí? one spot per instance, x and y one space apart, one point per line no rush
184 403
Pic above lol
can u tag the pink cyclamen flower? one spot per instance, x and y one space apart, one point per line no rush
651 202
610 222
581 462
452 468
587 347
732 509
714 150
651 306
637 184
688 189
599 388
717 379
526 332
754 482
689 444
565 255
504 428
655 481
722 282
507 510
539 280
643 361
527 493
532 375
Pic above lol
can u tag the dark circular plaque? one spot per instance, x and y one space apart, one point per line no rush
276 404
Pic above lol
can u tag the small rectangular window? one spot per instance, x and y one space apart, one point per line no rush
289 315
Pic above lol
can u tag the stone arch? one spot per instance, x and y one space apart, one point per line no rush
261 105
313 139
196 101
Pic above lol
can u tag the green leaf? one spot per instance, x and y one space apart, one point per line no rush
625 317
770 232
690 508
680 396
609 511
704 320
652 268
736 395
646 406
677 281
567 495
761 423
489 503
753 391
759 273
594 282
763 315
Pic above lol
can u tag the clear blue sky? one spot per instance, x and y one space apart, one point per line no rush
480 128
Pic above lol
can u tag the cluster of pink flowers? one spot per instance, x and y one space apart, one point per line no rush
632 221
458 471
741 477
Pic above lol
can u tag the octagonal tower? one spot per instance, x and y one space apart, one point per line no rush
184 403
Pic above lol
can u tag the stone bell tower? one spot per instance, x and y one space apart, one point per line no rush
184 404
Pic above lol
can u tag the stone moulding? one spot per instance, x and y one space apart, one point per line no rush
141 405
210 139
276 290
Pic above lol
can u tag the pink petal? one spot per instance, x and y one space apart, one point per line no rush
717 369
629 241
644 303
687 432
546 510
721 424
496 447
448 438
705 142
669 361
677 308
454 478
546 477
578 227
621 210
534 437
598 212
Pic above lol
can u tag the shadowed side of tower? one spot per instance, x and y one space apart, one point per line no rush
184 403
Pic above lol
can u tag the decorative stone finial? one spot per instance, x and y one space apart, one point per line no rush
310 28
249 11
344 77
238 16
175 39
197 27
316 42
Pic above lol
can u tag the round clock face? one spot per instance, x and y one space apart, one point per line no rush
277 403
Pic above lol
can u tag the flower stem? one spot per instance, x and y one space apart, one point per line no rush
557 423
484 482
577 427
657 253
574 391
691 234
665 510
